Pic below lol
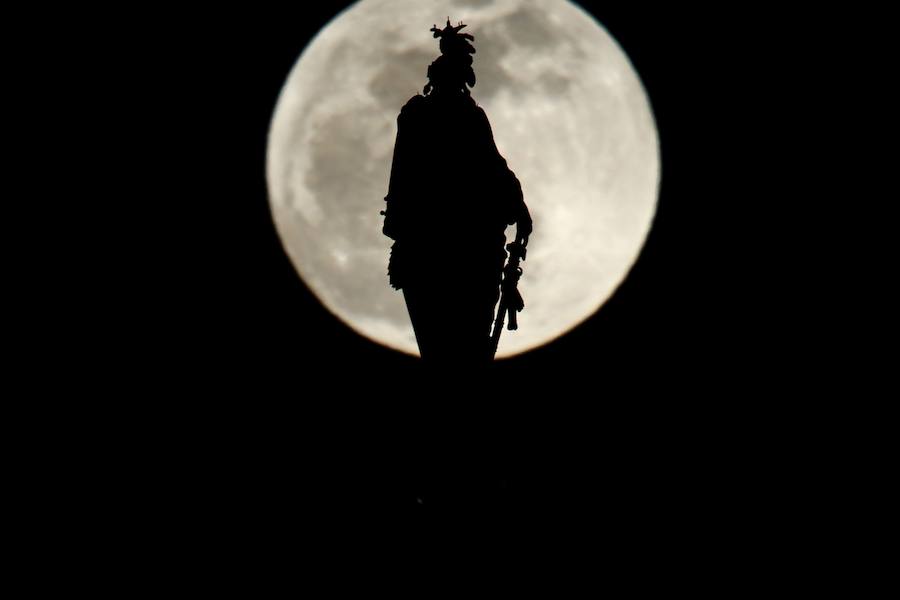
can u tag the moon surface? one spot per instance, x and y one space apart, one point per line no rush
568 113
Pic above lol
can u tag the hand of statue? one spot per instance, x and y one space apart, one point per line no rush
523 228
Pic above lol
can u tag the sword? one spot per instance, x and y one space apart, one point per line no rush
510 299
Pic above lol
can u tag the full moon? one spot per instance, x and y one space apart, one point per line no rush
568 113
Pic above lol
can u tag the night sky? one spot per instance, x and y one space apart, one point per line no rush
258 407
655 384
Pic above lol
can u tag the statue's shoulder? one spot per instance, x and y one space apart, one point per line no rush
479 115
413 106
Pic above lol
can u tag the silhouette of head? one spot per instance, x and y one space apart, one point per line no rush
452 72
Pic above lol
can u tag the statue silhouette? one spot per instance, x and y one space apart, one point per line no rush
450 198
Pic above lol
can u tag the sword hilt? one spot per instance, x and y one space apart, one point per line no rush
513 320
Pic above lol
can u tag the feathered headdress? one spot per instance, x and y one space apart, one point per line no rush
452 41
454 66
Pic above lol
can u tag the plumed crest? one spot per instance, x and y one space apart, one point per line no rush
452 39
453 69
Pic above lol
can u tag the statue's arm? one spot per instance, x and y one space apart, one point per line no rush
518 213
391 219
399 179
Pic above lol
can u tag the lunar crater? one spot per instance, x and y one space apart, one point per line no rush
396 82
529 29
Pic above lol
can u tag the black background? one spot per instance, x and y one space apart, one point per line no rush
654 392
238 408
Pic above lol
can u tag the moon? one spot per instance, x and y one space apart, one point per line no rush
568 112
